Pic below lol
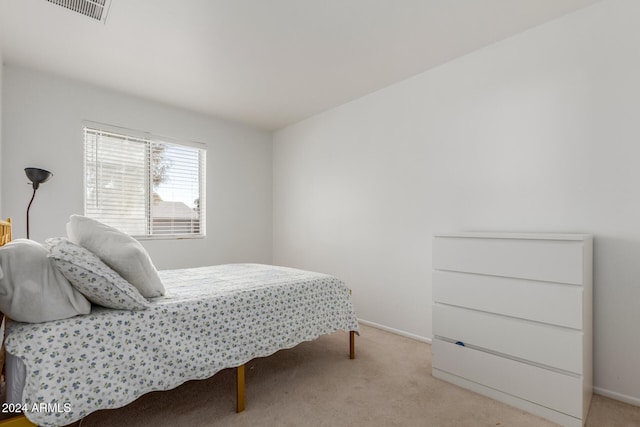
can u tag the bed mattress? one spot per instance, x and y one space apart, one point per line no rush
211 318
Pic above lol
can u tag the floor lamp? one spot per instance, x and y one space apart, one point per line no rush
37 177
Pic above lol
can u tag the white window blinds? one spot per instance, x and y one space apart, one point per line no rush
144 186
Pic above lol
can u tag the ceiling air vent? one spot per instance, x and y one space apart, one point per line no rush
95 9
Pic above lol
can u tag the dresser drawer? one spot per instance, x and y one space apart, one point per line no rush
536 259
538 343
553 303
547 388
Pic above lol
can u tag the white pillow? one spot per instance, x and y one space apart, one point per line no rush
119 251
93 278
32 289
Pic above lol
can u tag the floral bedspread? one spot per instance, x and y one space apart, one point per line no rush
211 318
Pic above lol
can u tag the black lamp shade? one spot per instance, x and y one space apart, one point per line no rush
37 176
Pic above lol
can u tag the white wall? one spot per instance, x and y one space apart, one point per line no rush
536 133
42 116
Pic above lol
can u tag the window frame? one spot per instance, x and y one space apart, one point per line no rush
150 139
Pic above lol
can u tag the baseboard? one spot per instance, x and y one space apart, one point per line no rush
395 331
617 396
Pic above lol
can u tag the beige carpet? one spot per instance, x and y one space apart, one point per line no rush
315 384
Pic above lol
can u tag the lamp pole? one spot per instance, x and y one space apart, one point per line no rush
36 176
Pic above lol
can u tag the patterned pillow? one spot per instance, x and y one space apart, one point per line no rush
93 278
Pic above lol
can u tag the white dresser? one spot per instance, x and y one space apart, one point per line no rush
512 317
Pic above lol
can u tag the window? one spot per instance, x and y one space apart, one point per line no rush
144 185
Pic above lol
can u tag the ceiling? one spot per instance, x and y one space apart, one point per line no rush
267 63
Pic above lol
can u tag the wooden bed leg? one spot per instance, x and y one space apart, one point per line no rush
352 344
240 388
17 421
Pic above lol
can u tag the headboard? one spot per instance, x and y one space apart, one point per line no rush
5 231
5 237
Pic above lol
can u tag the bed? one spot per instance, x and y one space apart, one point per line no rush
209 319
